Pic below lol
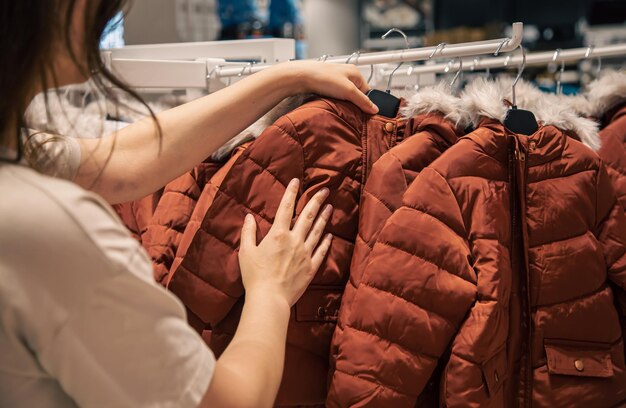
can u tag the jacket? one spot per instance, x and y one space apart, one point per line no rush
439 127
136 215
325 143
171 216
607 98
500 266
160 220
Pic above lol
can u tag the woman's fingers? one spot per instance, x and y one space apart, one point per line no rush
361 100
286 207
248 233
320 253
318 229
308 215
358 80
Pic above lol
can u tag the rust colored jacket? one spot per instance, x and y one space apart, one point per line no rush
498 266
382 195
325 143
607 101
136 215
172 214
160 220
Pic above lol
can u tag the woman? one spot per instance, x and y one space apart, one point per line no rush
81 322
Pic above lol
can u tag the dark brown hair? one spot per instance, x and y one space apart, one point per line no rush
31 31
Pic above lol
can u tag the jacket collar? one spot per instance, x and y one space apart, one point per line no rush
606 92
436 99
487 99
427 101
614 114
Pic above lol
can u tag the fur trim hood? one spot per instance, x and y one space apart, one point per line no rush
438 98
483 98
606 92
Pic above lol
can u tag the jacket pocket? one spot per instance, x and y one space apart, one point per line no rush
319 304
494 372
578 358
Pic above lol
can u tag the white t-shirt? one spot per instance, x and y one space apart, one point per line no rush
81 320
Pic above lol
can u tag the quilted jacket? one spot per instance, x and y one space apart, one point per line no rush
500 266
607 97
171 216
439 128
136 215
325 143
160 220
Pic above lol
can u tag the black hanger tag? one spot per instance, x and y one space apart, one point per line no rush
388 104
521 121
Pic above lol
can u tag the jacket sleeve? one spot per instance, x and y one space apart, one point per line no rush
169 220
611 232
207 278
136 215
412 298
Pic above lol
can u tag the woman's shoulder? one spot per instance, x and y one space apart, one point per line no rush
58 221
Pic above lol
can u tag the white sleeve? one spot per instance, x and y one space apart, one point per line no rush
91 312
130 347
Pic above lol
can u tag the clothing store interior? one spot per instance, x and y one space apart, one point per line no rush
313 203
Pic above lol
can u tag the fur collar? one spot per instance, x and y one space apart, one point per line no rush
606 92
483 98
438 98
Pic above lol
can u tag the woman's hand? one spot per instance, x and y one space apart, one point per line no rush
340 81
286 260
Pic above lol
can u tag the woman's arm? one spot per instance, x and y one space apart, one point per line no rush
133 162
275 274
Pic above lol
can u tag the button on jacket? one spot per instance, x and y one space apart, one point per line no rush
501 266
438 128
325 143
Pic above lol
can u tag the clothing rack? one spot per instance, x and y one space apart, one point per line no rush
513 61
407 55
194 66
185 65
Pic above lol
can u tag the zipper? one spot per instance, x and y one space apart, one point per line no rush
514 250
520 208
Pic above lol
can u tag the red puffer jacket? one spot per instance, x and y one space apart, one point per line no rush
607 97
499 266
390 177
159 220
172 215
325 143
136 215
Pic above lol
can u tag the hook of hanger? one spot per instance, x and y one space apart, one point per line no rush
324 57
355 53
458 74
406 42
397 30
520 71
439 47
358 55
495 54
559 87
588 54
249 65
